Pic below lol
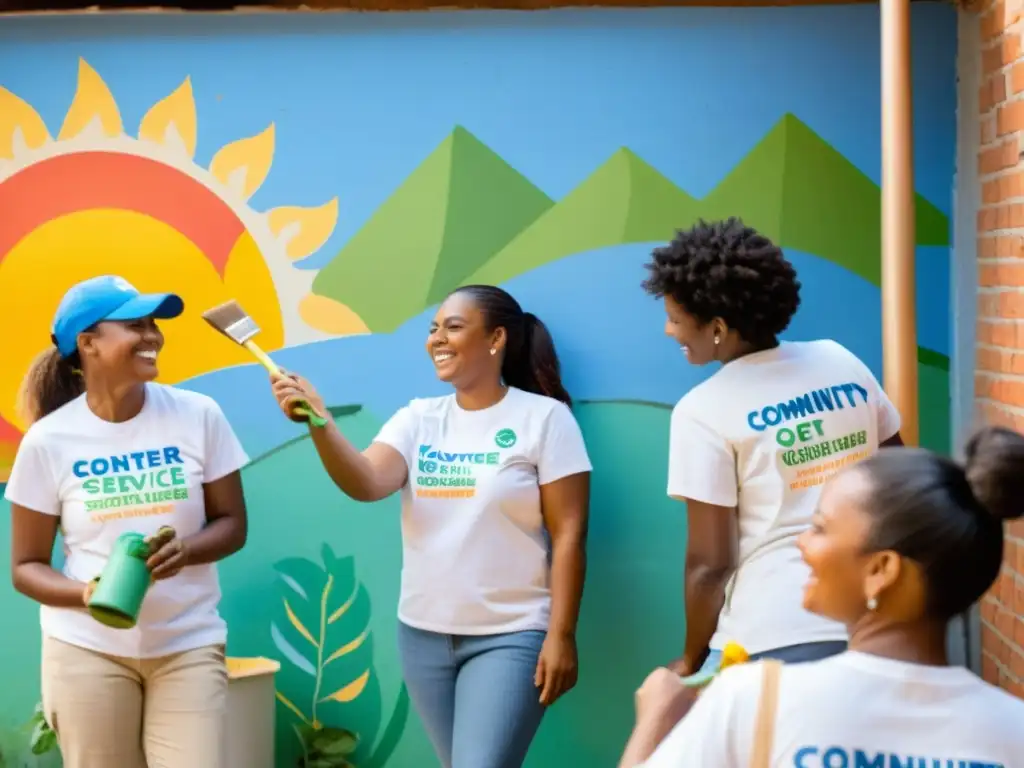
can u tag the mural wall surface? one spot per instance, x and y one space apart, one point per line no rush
339 174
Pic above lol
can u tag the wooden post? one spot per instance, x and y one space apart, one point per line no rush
899 325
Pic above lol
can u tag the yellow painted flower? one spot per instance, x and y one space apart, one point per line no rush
732 654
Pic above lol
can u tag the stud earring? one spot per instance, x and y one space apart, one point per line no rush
494 351
718 339
872 603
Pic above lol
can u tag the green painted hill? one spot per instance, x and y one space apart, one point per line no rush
793 186
800 191
623 201
455 211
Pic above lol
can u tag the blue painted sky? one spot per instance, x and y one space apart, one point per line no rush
360 99
612 345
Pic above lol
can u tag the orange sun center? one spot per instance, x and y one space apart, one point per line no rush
77 215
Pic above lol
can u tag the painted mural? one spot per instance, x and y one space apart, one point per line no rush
339 175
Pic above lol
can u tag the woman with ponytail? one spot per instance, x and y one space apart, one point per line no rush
899 545
109 451
495 483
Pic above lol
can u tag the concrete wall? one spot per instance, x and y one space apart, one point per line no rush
337 174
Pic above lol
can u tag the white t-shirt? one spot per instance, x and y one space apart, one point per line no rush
852 711
762 435
104 479
475 548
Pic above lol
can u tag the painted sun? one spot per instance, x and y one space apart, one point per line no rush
97 200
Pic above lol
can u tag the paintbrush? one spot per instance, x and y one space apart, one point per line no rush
230 319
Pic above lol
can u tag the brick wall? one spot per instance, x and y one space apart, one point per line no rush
999 369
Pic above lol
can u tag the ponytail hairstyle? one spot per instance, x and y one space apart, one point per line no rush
52 381
530 361
947 517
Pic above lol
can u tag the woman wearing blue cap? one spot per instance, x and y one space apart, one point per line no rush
110 451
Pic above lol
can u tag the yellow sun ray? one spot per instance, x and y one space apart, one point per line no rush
330 316
19 122
307 229
351 691
172 119
244 164
93 102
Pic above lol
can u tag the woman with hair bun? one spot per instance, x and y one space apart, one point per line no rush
495 484
900 544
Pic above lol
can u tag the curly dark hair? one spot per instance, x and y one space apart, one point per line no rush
729 270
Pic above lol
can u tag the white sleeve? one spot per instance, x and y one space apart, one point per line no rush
224 452
399 432
33 484
704 738
701 462
562 450
888 417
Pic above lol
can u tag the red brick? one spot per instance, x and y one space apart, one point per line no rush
1008 305
999 354
1010 117
989 670
993 91
1010 335
1002 52
999 157
1016 663
1001 275
993 413
1000 247
991 22
988 129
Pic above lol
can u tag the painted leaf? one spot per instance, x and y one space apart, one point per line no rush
325 645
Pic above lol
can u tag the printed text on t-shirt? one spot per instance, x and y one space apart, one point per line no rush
133 484
839 757
802 438
445 475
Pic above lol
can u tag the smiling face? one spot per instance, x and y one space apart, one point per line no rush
834 548
696 339
460 344
847 569
124 351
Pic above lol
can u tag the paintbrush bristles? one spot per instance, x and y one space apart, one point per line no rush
230 319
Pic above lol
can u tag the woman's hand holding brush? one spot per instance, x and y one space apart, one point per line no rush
291 390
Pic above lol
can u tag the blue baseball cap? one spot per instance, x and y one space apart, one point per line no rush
106 298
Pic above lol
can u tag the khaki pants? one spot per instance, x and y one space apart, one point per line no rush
114 712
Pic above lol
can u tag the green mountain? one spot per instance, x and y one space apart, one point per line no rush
455 211
793 186
800 191
623 201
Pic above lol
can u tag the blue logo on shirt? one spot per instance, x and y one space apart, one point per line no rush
839 757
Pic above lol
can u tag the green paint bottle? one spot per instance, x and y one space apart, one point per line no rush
122 585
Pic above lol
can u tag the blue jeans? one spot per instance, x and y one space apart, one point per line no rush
790 654
474 694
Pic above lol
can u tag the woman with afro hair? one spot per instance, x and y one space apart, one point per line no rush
751 446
